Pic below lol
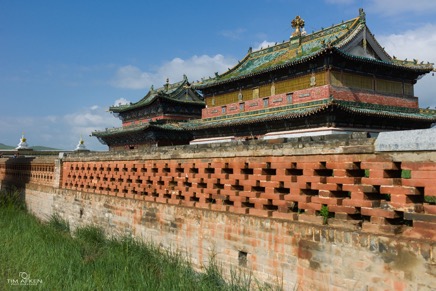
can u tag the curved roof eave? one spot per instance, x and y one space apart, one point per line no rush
346 55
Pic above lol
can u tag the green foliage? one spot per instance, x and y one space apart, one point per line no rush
212 277
406 174
324 212
58 223
430 199
12 198
91 235
366 173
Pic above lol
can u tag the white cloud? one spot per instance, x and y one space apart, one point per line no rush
132 78
83 122
121 101
416 44
263 44
195 68
61 132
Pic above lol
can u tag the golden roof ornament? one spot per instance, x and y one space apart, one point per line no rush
298 24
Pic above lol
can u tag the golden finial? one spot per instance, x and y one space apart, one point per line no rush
297 23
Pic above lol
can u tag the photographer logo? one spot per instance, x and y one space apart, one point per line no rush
24 280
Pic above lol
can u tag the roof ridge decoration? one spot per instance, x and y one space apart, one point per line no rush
350 37
298 24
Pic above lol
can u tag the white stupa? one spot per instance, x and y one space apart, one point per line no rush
23 144
81 145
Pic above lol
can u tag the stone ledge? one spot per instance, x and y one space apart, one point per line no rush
407 140
331 144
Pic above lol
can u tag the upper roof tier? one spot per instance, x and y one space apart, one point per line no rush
350 39
176 92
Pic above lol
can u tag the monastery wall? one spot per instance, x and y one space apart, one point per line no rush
312 213
308 95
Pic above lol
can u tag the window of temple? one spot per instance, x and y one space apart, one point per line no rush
289 97
223 109
408 89
265 102
241 106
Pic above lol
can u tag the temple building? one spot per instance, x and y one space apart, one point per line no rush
155 119
336 80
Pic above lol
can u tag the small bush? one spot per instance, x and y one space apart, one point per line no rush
212 277
59 223
91 234
324 212
12 198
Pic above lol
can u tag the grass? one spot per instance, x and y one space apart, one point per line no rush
90 261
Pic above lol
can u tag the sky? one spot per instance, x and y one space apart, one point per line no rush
64 63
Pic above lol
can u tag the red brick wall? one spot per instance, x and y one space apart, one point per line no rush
24 170
311 94
360 190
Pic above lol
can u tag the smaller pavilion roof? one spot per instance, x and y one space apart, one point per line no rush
176 92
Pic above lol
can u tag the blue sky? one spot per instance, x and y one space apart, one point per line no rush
63 63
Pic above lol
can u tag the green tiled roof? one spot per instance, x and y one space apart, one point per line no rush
138 128
302 48
404 64
176 92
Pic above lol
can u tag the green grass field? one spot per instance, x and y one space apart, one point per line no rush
52 259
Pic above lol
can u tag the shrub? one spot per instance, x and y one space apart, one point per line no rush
12 198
